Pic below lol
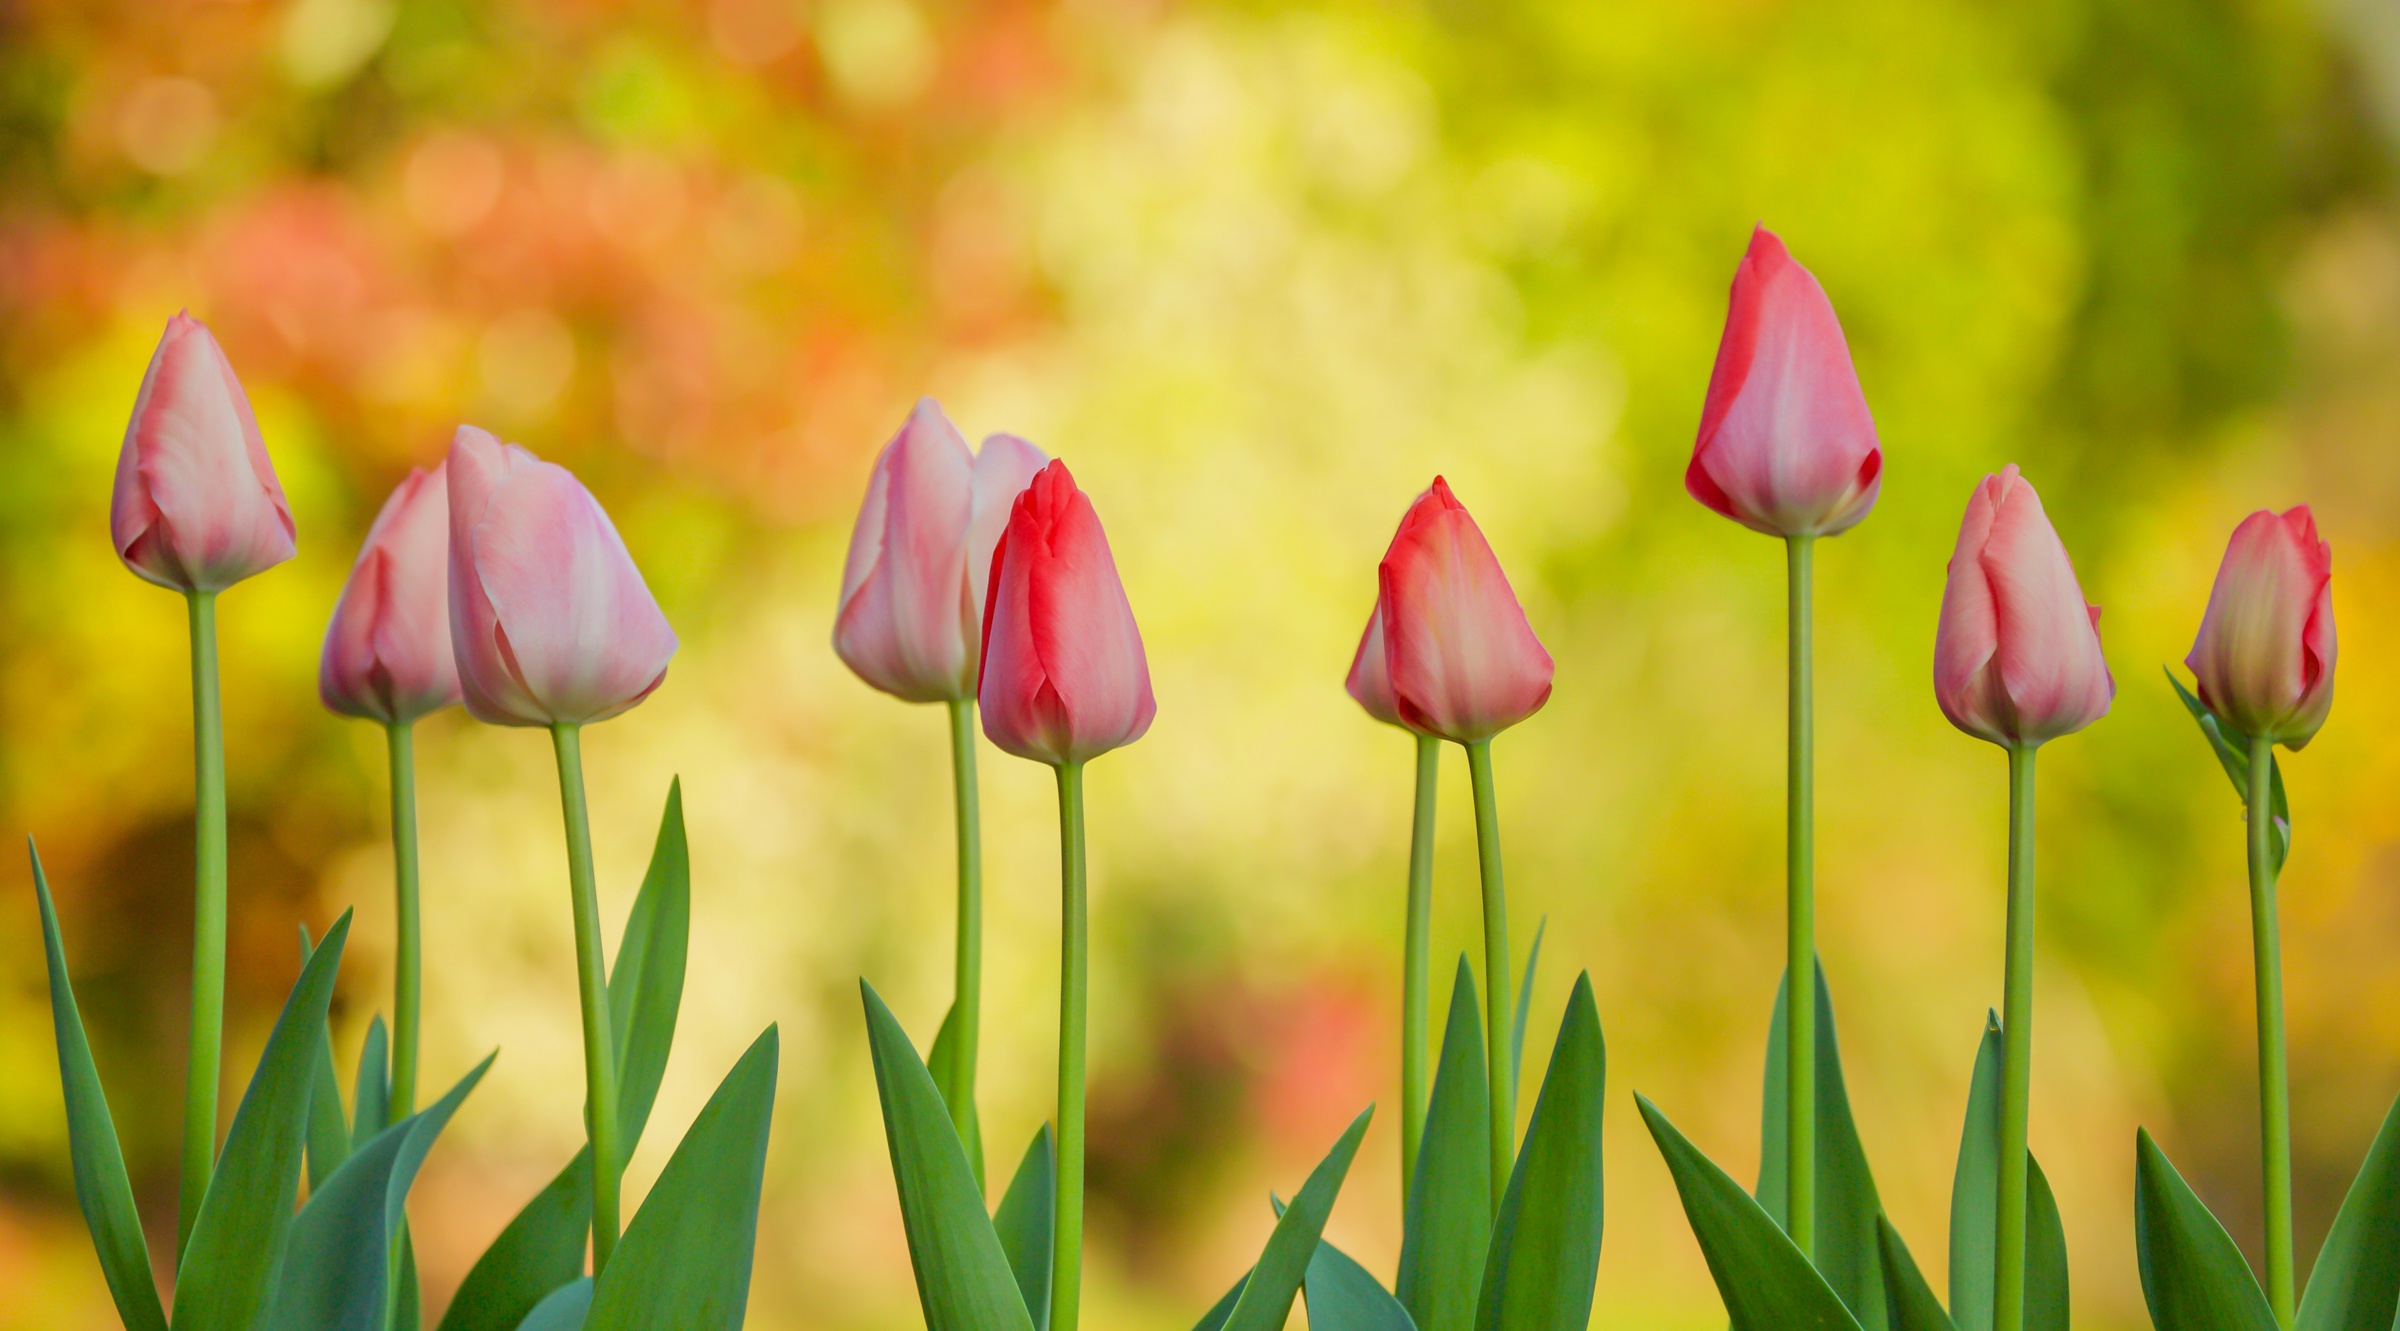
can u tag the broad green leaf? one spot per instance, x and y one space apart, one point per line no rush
337 1270
1974 1212
563 1309
1266 1297
937 1062
1214 1318
1025 1221
101 1185
540 1250
1342 1296
963 1276
1533 962
1847 1203
328 1129
1546 1242
2356 1283
371 1099
2192 1275
2045 1253
237 1243
2233 753
1767 1284
1913 1307
1448 1221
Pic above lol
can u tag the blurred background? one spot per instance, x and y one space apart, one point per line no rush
1259 271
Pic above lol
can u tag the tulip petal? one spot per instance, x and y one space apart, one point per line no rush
1464 662
197 506
905 615
2017 657
1064 677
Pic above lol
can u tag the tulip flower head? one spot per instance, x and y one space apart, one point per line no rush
1063 676
1370 681
913 583
197 507
550 620
387 652
2017 658
2264 657
1787 446
1462 660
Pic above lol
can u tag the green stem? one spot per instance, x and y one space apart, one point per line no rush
967 1005
1066 1245
2274 1075
1499 1001
2016 1062
1417 964
208 920
1800 906
591 974
408 980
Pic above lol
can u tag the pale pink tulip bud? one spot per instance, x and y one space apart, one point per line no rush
1064 677
549 618
1464 663
2264 657
387 652
197 507
1370 681
1787 446
2017 658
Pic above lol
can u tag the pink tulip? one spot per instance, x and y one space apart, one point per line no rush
1063 675
1464 663
387 652
196 507
1787 446
2264 657
1370 681
2016 659
912 586
549 618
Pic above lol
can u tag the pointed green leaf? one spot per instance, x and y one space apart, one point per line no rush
411 1307
563 1309
540 1250
1913 1307
371 1099
1766 1283
1214 1318
101 1185
937 1062
2192 1275
1342 1296
1533 962
2356 1283
1025 1221
1546 1242
328 1129
645 989
2045 1253
1448 1221
2233 753
1847 1203
1975 1190
1266 1297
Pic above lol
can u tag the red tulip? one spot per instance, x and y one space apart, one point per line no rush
1787 446
1064 678
2264 657
912 586
387 652
197 507
2017 658
549 618
1464 663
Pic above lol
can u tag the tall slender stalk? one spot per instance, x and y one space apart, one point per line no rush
208 921
1499 1001
2016 1061
1800 906
1066 1246
2274 1075
591 975
1417 964
967 1004
408 979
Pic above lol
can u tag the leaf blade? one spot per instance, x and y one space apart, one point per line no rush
1274 1281
1343 1296
1545 1249
1766 1283
1448 1220
1026 1220
2193 1278
1848 1253
2356 1282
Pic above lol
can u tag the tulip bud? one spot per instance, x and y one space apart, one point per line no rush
1063 674
549 618
2264 657
1787 446
912 586
387 652
2017 658
196 506
1370 681
1464 663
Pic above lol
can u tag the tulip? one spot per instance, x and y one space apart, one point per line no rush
2265 653
1787 446
2017 657
1463 662
197 507
1370 680
551 621
387 652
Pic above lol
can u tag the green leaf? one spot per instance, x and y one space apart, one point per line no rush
1214 1318
1913 1307
1847 1203
328 1129
1025 1221
2045 1253
1533 962
2356 1283
963 1276
684 1263
2235 758
371 1100
1975 1212
563 1309
1546 1243
237 1244
410 1309
1767 1284
2192 1275
101 1185
1274 1282
1448 1220
1342 1296
937 1062
337 1269
540 1250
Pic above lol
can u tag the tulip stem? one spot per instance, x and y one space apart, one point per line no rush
1066 1246
591 974
1417 964
2016 1060
408 981
1498 1001
1800 904
2274 1075
967 1004
208 920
